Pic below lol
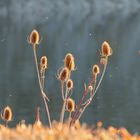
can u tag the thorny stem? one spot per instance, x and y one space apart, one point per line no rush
40 85
94 86
103 73
41 89
81 112
69 119
63 107
62 89
62 112
36 63
95 90
69 93
42 78
90 99
69 75
47 109
80 103
6 123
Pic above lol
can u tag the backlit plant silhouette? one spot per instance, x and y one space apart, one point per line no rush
34 40
7 115
72 129
64 76
92 87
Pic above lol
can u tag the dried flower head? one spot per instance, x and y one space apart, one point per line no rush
95 69
64 74
7 114
69 84
69 62
43 63
106 49
70 105
34 37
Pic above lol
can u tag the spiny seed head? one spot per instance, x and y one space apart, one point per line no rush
64 74
43 63
69 62
69 84
106 49
70 105
7 114
95 70
34 37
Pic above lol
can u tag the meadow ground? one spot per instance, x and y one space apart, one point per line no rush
63 132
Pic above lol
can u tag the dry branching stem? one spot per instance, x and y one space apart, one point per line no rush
42 78
69 119
40 85
74 117
62 90
78 115
104 69
64 106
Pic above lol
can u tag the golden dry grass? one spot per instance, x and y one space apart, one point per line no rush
63 132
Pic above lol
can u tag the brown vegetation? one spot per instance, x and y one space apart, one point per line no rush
63 132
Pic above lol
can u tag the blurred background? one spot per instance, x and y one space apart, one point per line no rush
78 27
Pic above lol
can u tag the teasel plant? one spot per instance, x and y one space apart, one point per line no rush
93 86
70 107
7 115
64 75
34 40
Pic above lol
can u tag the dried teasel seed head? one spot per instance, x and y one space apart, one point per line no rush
70 105
64 74
34 37
7 114
106 49
95 69
69 84
69 62
43 63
